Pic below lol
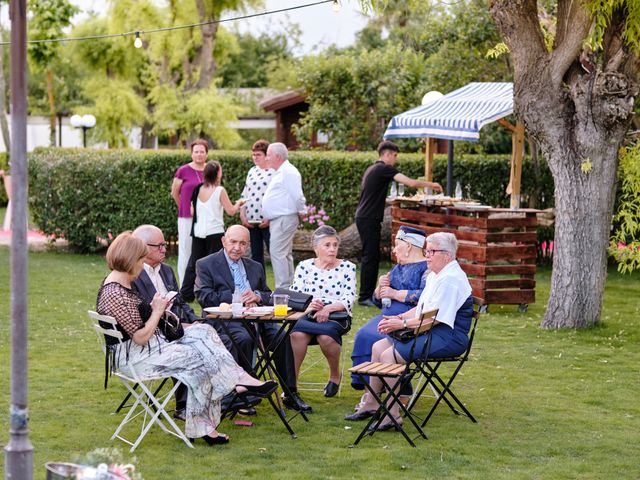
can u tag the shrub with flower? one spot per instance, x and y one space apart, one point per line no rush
314 218
624 245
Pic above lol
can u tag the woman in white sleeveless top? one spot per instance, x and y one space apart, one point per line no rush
208 202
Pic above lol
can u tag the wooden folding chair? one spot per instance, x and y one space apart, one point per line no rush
429 368
148 404
404 373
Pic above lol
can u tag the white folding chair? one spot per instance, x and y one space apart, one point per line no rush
148 405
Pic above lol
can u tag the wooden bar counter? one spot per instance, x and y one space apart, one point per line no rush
497 246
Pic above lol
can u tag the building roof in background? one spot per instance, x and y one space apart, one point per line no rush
282 100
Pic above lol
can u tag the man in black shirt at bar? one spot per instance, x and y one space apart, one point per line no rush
370 211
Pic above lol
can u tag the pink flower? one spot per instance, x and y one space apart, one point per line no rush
321 212
325 217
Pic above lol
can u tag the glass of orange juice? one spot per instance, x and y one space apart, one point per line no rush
280 305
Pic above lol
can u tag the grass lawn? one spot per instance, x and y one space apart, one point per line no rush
549 404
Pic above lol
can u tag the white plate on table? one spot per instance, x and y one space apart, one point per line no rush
259 310
216 310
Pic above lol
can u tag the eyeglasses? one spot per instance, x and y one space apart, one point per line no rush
432 251
159 246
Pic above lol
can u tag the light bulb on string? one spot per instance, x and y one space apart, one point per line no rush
138 41
336 6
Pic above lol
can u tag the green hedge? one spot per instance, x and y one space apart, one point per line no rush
3 166
82 193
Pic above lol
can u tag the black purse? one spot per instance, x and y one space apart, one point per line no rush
170 326
403 335
342 318
407 334
298 301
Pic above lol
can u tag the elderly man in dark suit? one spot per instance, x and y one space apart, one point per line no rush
156 276
218 276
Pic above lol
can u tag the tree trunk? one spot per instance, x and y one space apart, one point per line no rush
147 140
204 59
583 158
52 108
578 111
583 207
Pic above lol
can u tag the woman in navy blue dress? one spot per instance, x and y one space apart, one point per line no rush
332 282
402 286
448 291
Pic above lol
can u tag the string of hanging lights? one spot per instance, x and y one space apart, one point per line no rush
137 42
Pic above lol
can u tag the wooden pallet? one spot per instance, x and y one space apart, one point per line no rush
497 246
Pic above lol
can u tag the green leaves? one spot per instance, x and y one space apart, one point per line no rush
85 193
625 242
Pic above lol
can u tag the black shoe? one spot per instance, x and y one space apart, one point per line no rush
180 414
359 416
221 439
250 411
367 303
384 427
296 403
264 390
240 401
331 389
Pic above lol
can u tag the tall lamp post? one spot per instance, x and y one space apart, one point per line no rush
85 122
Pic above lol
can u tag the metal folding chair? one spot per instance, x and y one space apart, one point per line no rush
149 407
429 368
404 373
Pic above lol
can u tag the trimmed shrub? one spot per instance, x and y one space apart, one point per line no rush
81 194
4 165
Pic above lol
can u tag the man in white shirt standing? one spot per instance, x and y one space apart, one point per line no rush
283 203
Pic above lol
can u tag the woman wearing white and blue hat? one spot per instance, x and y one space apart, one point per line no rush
402 286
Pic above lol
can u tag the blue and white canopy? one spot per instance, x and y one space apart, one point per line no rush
459 115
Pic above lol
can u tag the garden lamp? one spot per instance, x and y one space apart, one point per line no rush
85 122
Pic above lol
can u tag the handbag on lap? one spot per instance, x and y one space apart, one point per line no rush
170 326
342 318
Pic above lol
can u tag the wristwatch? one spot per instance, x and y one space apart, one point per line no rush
257 292
404 322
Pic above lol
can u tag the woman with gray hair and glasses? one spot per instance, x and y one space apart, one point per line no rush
332 283
448 290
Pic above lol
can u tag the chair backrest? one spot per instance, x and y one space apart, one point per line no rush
477 305
425 322
105 326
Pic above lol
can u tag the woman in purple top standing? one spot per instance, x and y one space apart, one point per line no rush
186 179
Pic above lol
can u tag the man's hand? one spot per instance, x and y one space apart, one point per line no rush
250 297
436 186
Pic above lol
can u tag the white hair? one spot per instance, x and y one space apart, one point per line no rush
146 232
279 150
445 241
323 232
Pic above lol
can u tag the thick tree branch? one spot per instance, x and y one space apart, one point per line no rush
574 24
517 21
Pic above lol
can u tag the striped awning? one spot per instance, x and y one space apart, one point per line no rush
459 115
